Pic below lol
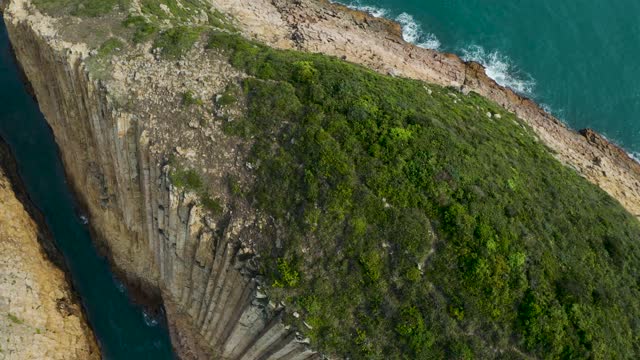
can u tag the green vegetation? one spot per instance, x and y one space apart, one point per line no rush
229 96
110 47
82 8
99 64
414 226
183 12
169 23
14 319
143 29
189 99
190 180
176 41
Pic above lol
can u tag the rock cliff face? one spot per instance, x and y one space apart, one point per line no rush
39 317
116 157
119 133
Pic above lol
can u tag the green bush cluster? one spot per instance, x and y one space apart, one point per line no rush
190 99
176 41
190 180
14 319
82 8
110 47
421 228
143 29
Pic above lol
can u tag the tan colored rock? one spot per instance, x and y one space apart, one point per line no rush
39 318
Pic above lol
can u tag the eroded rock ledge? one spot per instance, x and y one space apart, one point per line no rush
39 315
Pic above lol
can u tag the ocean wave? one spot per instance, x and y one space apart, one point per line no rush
149 320
557 113
371 10
412 31
500 68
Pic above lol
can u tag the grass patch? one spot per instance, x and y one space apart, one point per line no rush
227 98
81 8
190 180
99 65
414 227
14 319
175 42
110 47
187 11
190 99
143 30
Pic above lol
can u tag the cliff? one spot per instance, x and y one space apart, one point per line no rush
40 315
157 235
128 135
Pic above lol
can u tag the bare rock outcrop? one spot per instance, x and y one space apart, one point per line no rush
39 315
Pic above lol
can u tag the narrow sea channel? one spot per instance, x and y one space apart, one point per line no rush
121 327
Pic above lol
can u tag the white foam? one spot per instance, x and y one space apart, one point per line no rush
499 68
558 114
546 108
412 32
149 319
371 10
635 156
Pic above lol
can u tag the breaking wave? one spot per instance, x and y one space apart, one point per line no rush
500 68
411 30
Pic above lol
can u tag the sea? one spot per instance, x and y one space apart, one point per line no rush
577 59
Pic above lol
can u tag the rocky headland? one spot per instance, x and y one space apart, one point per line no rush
122 117
329 28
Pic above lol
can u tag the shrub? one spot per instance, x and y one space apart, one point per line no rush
143 29
190 99
176 41
110 46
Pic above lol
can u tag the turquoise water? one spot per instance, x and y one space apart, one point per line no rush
122 328
577 58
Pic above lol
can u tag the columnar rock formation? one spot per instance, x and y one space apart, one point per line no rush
119 133
39 315
157 235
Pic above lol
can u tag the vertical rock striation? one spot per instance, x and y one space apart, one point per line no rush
158 236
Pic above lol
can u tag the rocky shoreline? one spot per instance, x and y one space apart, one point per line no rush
41 314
